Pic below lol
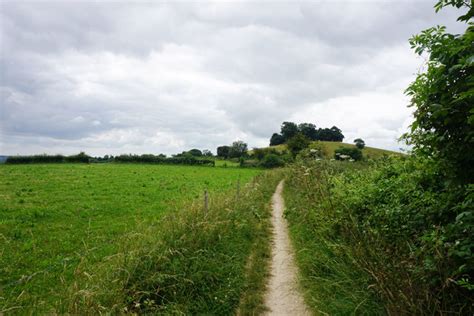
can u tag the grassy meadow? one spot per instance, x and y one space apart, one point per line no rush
55 216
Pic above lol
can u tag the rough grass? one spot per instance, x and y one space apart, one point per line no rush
332 281
190 262
56 219
330 147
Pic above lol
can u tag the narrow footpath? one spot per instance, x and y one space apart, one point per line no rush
283 297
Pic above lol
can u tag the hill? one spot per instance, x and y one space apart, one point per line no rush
328 149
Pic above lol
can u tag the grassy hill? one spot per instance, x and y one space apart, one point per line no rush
328 149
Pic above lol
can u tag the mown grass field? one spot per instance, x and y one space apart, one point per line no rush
53 216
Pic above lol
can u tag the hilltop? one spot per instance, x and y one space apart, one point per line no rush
329 148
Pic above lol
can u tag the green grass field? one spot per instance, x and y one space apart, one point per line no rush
53 216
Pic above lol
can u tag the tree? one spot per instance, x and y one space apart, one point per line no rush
195 152
207 153
288 130
297 143
223 151
308 130
443 98
359 143
336 134
276 139
238 149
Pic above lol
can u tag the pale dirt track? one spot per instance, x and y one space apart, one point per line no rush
283 297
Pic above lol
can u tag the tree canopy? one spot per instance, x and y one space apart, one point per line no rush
290 129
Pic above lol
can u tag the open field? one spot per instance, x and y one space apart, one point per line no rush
53 216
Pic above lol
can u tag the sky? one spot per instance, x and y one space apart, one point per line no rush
116 77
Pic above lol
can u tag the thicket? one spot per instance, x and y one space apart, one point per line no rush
193 261
391 227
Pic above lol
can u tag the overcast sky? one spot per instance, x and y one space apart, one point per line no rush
153 77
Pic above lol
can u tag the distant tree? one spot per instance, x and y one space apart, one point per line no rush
207 153
195 152
297 143
238 149
223 151
308 130
359 143
288 130
276 139
336 134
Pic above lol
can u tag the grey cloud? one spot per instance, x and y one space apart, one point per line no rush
147 77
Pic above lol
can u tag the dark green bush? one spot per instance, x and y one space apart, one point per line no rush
353 153
272 161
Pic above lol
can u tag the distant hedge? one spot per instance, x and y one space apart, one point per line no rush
148 158
82 158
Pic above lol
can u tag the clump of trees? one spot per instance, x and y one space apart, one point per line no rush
238 149
309 130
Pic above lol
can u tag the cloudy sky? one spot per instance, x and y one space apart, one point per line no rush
160 77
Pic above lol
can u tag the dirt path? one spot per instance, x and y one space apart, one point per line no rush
282 297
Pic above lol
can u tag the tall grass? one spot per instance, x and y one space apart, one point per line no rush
332 281
194 261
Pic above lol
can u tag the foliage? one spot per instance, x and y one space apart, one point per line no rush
58 219
81 157
332 134
333 282
397 222
308 130
272 161
359 142
353 153
443 98
297 143
238 149
223 151
288 130
186 159
207 153
277 139
195 152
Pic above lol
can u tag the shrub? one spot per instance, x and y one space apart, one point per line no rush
272 161
353 153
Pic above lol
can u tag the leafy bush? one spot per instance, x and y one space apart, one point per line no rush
272 161
353 153
405 227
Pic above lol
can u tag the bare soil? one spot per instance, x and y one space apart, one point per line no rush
283 296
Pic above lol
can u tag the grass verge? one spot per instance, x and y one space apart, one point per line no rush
333 283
